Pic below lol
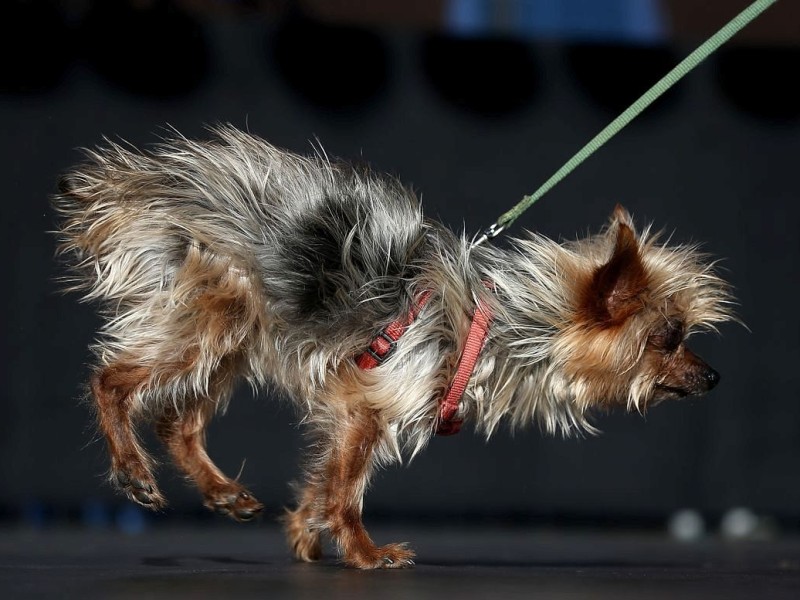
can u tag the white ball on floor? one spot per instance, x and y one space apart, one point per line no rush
686 525
738 524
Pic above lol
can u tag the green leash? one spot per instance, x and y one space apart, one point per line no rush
666 82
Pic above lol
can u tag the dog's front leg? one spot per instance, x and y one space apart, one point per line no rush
349 465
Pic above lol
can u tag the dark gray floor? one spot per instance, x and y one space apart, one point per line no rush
251 562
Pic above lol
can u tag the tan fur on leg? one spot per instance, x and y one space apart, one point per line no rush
184 436
347 472
302 524
113 388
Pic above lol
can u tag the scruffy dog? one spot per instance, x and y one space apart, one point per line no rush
228 258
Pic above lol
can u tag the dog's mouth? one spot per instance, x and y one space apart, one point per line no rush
664 392
697 383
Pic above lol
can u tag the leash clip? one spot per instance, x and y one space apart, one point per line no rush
490 232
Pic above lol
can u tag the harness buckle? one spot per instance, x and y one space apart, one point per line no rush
379 358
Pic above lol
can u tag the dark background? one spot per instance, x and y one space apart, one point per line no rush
474 104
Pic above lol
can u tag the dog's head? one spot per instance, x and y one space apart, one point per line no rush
605 319
632 304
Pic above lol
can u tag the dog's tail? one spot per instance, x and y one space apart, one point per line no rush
118 243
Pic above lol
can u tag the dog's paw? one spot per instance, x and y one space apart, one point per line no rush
391 556
139 486
238 504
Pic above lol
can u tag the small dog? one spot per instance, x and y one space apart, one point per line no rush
226 259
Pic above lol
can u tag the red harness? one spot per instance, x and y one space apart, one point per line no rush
384 344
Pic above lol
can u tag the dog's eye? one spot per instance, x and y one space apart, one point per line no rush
669 337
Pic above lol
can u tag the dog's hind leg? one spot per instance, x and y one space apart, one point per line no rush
115 389
183 433
175 356
218 314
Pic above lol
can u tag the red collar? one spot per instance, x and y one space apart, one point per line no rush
384 343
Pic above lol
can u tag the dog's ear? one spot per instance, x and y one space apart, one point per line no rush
622 216
612 293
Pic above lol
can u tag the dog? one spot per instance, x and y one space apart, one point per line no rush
227 259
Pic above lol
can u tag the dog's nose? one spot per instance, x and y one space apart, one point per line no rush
712 378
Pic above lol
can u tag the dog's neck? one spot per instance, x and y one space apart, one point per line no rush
514 379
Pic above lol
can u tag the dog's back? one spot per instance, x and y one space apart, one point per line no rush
326 247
